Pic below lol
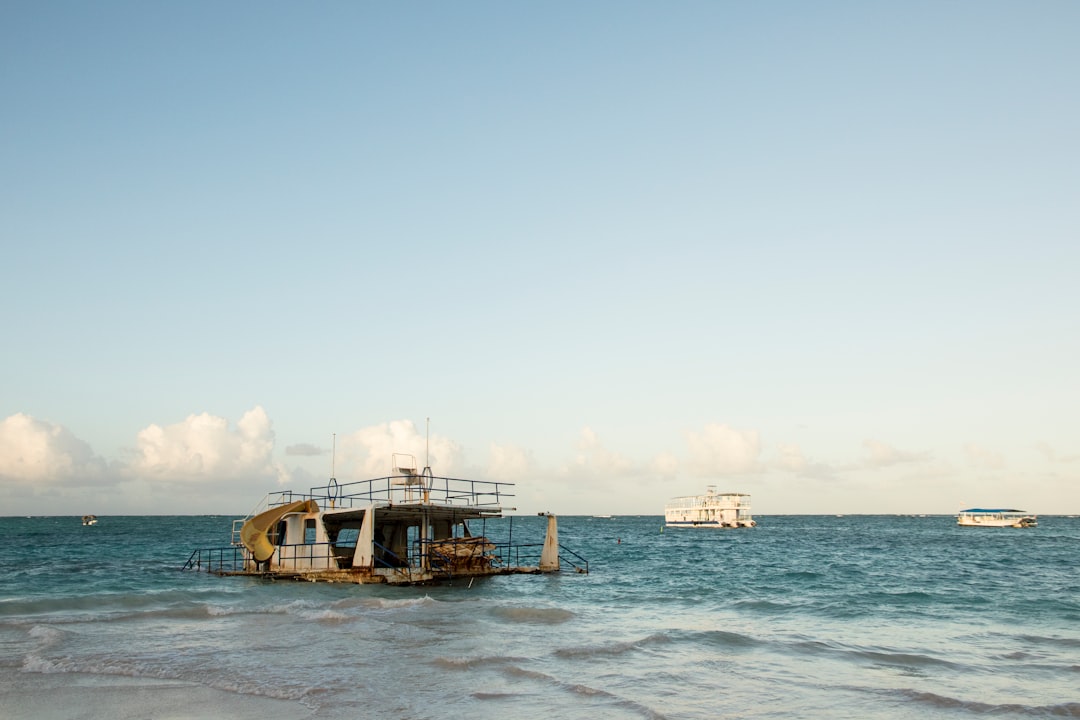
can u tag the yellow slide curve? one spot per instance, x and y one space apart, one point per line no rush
253 532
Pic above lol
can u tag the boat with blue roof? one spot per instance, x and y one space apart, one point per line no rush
996 517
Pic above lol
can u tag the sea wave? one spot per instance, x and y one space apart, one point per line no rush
473 663
46 636
1060 642
586 692
764 607
613 649
725 639
876 656
898 658
494 695
328 616
537 615
390 604
375 603
1066 709
79 608
513 669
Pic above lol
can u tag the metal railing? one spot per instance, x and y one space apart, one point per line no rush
529 554
321 556
217 560
401 489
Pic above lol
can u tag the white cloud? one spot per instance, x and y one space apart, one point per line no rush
1051 454
792 458
368 452
665 465
722 450
205 448
37 452
984 458
880 455
508 463
595 460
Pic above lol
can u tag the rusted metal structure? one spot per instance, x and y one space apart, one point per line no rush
410 527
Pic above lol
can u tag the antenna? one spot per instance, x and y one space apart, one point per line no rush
427 445
332 489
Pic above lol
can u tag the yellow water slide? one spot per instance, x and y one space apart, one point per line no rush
253 533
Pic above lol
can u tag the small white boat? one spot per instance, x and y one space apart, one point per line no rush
713 509
996 517
89 519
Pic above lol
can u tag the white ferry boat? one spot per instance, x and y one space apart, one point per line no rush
713 509
996 517
407 528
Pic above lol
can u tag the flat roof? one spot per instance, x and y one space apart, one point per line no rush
993 510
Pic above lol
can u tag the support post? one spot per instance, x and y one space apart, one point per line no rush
549 557
364 556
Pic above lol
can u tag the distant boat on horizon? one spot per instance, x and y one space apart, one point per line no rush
713 509
996 517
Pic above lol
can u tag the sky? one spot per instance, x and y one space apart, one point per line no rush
826 254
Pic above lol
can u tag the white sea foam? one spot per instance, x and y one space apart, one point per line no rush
327 615
224 611
48 635
38 664
398 603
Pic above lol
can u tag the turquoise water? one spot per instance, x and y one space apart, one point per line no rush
803 616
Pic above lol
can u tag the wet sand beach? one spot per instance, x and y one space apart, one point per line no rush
40 696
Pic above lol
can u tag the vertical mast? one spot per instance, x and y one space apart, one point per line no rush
332 486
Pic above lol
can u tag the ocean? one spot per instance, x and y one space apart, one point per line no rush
801 617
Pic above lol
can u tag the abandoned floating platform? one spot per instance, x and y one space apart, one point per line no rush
406 528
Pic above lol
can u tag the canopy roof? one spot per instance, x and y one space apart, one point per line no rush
993 510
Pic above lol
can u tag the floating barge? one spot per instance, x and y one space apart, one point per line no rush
711 510
406 528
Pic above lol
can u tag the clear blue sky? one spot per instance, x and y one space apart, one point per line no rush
823 253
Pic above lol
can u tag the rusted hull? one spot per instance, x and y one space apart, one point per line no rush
384 577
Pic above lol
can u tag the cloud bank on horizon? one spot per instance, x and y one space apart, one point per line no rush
204 463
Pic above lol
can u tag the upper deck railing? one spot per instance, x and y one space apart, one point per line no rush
402 489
